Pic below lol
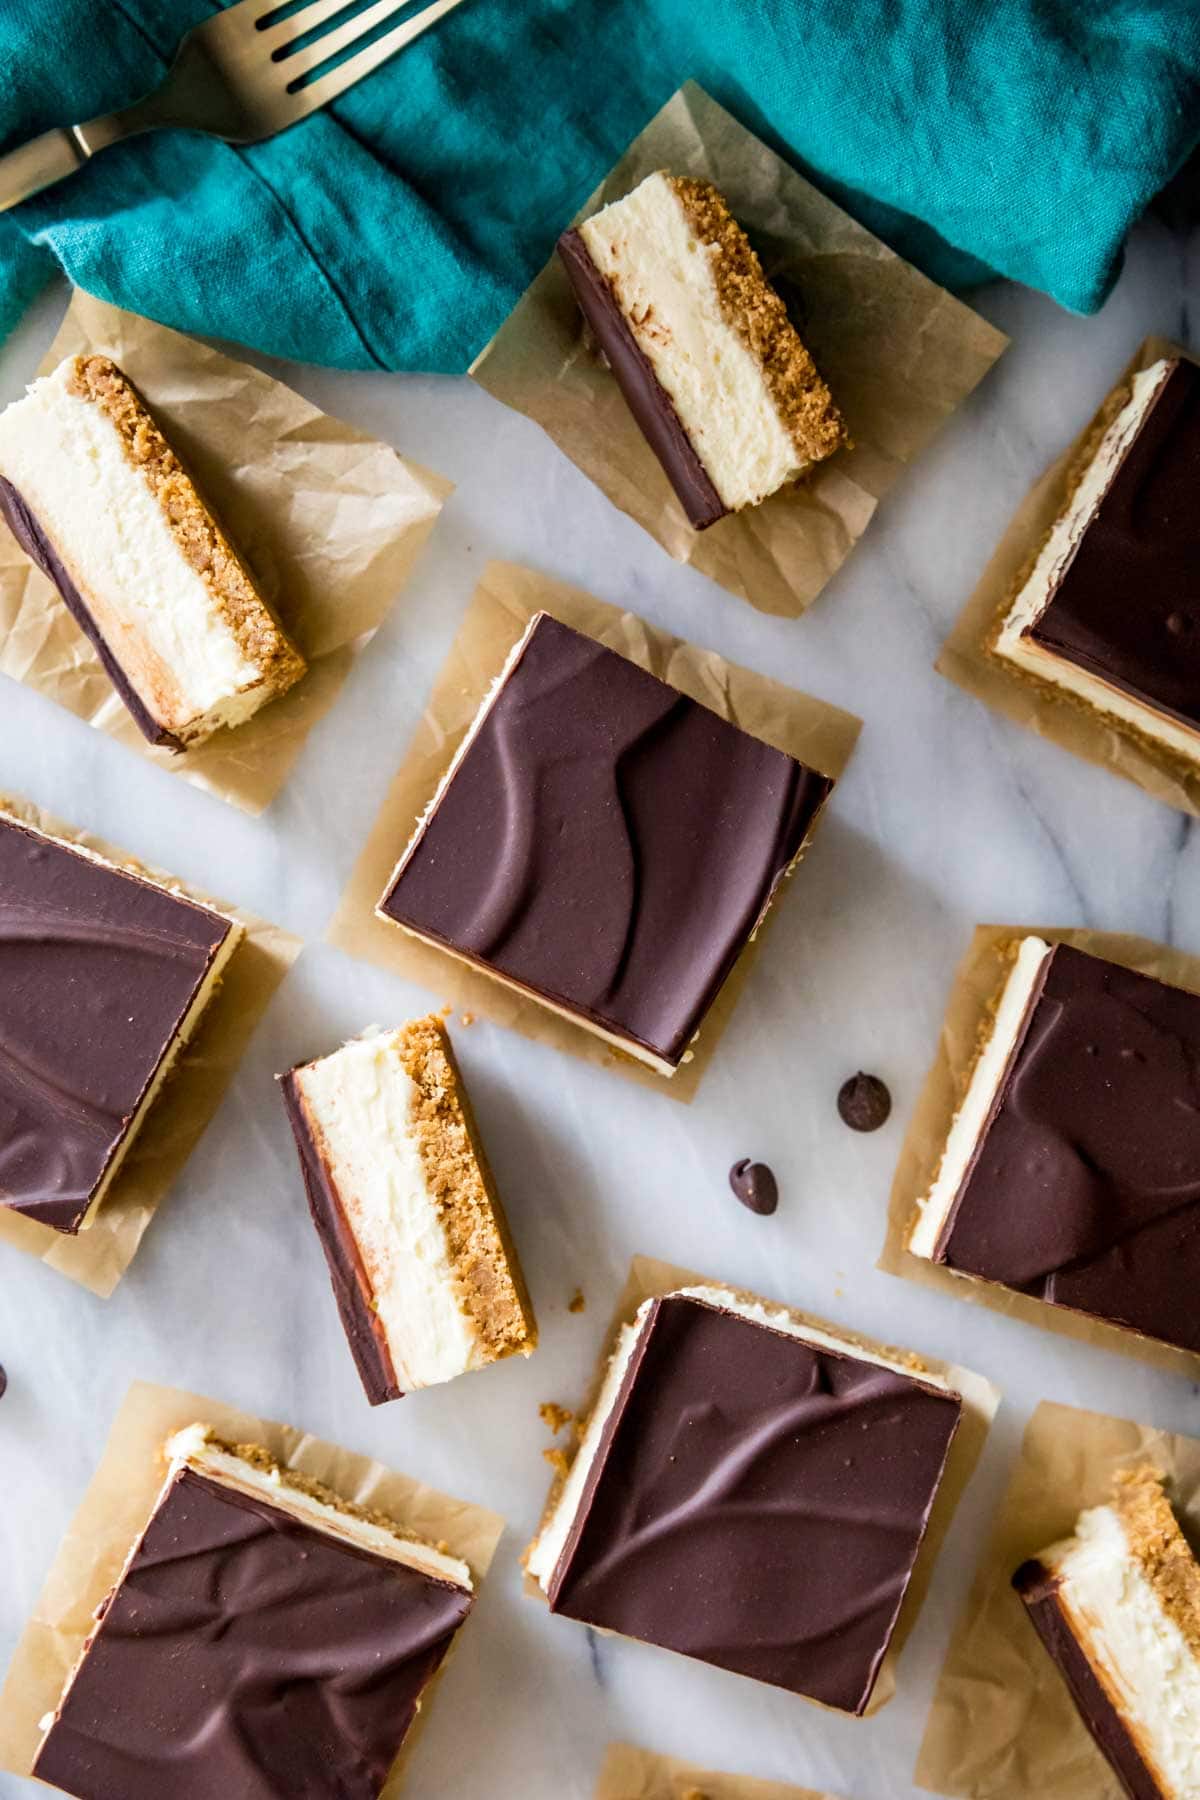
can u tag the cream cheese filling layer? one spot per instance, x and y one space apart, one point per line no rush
1013 641
661 274
65 458
1142 1658
359 1103
551 1541
991 1066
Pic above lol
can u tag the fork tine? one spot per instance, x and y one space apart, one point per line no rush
286 31
327 87
340 38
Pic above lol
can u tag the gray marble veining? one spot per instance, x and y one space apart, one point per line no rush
948 815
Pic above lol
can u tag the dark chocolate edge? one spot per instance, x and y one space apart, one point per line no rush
647 399
582 1511
364 1334
37 546
943 1240
46 1212
1038 1589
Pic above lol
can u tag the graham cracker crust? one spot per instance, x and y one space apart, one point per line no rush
755 311
259 1458
478 1242
207 550
1162 1552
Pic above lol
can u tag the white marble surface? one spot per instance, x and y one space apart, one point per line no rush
947 816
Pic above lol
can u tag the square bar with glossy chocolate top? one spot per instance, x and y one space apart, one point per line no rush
1109 612
266 1639
604 843
1072 1168
1117 1607
104 975
99 500
709 363
426 1277
751 1491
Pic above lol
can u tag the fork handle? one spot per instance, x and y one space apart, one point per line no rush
58 153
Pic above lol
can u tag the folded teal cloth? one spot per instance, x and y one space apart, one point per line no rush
396 229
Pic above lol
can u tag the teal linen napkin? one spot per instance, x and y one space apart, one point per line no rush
397 229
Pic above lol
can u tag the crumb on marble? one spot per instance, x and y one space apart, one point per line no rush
576 1303
555 1416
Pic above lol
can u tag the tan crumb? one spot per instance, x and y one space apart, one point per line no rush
576 1303
203 544
555 1416
467 1018
559 1461
756 312
456 1170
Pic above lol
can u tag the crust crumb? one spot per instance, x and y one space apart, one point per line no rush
756 312
456 1169
553 1416
576 1303
559 1461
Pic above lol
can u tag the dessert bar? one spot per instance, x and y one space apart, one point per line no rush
751 1491
1117 1607
265 1639
1072 1168
712 369
1109 613
426 1277
96 496
604 844
105 975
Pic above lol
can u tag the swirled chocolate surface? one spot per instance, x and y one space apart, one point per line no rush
606 842
1085 1187
247 1656
1127 607
97 970
757 1502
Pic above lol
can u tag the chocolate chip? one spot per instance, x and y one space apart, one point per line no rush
864 1102
754 1185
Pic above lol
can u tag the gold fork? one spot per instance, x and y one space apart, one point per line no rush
233 78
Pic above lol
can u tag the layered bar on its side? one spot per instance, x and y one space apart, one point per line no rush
1117 1607
96 496
712 369
104 976
604 844
425 1273
1072 1169
265 1639
1109 613
750 1491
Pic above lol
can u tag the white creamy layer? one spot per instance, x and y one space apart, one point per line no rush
663 280
1013 642
192 1448
64 456
1143 1659
986 1077
552 1539
359 1102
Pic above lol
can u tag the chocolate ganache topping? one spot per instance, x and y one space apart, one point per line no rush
757 1502
245 1654
1085 1190
1038 1588
606 842
97 969
1127 607
38 548
348 1277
